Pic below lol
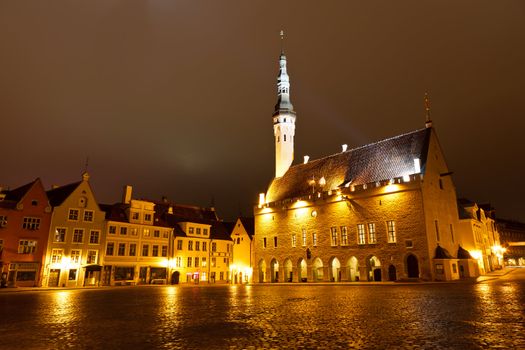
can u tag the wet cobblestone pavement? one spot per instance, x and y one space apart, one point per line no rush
424 316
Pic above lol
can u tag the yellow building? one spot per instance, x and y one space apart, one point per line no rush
137 245
76 236
383 211
241 235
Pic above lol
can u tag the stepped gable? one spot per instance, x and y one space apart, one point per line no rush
383 160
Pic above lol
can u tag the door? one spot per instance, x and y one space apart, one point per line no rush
377 275
392 275
54 277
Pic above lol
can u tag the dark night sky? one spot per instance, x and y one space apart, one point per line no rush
176 97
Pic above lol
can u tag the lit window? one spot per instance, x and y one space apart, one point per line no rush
26 246
189 261
78 235
94 237
88 215
333 232
304 237
164 250
190 245
73 215
133 231
197 246
165 234
123 231
203 262
372 233
60 234
205 231
72 275
110 247
135 216
31 223
391 229
145 232
361 234
3 220
178 261
198 230
56 256
294 240
179 244
75 256
314 239
344 235
204 246
190 230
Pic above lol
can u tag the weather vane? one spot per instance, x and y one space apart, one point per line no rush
282 40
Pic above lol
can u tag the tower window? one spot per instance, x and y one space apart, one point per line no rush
284 137
278 138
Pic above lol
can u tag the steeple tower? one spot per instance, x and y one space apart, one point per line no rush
283 120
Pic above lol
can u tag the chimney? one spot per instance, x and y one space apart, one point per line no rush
345 146
306 158
126 194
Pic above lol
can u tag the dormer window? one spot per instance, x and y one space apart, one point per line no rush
190 229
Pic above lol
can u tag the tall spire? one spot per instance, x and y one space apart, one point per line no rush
428 121
283 119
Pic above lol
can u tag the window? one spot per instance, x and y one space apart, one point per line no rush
437 229
164 252
135 216
178 261
121 249
165 234
197 246
92 257
72 275
238 240
264 242
204 246
75 256
344 235
205 231
31 223
78 235
203 263
110 247
56 256
155 250
133 231
123 231
333 232
452 233
179 244
73 214
145 233
361 234
314 239
391 229
112 230
132 249
221 274
145 250
304 237
213 262
196 261
3 220
26 246
147 217
60 234
372 233
274 242
156 233
294 240
214 246
190 230
189 262
409 243
190 245
88 215
34 202
94 237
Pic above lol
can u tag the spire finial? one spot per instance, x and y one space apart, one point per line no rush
282 41
428 122
86 165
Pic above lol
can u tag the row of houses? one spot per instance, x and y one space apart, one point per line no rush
64 237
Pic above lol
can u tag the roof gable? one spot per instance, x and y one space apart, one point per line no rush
58 195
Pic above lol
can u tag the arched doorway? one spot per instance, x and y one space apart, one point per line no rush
262 271
288 273
318 270
373 266
175 277
335 270
274 267
353 269
412 266
302 271
392 274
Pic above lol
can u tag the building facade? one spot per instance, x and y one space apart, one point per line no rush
25 216
383 211
76 236
241 236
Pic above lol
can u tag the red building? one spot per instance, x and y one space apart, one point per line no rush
25 216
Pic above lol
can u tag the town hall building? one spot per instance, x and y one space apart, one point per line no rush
379 212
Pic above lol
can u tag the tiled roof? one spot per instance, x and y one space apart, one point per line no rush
383 160
220 231
58 195
12 197
189 212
